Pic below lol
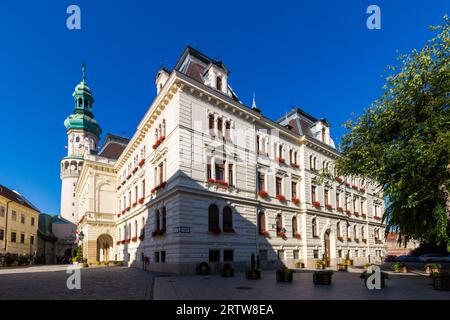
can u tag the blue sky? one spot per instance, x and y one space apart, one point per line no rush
317 55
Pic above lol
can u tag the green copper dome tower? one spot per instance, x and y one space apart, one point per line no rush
82 117
83 134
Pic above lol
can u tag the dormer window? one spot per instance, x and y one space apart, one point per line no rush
219 83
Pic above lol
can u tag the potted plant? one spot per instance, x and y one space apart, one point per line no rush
322 277
285 275
365 276
431 268
254 273
320 264
204 268
227 270
342 266
399 267
299 265
348 261
366 267
441 281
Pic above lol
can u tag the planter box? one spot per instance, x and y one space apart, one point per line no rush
322 277
253 274
441 282
284 276
349 262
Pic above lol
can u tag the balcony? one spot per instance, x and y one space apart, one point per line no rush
98 217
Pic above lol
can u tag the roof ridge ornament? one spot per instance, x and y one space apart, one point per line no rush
254 107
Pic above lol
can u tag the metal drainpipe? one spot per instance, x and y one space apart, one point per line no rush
6 225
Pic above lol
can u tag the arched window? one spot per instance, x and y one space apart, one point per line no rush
77 139
164 219
262 222
80 102
314 228
279 223
294 227
227 220
213 219
158 220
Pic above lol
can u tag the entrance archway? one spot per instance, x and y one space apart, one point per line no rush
104 247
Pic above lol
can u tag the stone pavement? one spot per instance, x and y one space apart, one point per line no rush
345 285
49 282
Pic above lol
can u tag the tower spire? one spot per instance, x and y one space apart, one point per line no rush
83 71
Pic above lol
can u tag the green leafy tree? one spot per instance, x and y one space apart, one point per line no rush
403 141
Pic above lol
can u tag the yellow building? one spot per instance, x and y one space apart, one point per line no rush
18 223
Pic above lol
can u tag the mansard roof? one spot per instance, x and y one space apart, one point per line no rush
113 146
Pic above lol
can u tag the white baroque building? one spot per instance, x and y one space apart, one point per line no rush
206 178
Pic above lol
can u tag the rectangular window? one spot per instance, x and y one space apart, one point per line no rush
161 172
278 186
219 83
280 254
228 255
258 147
22 218
208 171
13 216
313 193
211 122
32 221
214 255
230 174
339 253
262 255
220 127
294 189
296 254
163 256
261 181
2 234
220 171
338 200
156 256
13 236
22 238
2 211
362 207
327 199
143 188
316 254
